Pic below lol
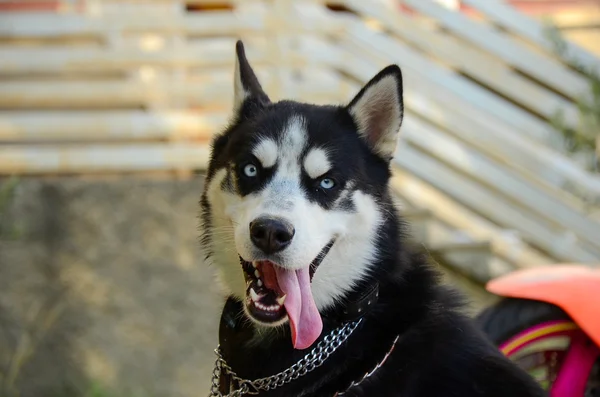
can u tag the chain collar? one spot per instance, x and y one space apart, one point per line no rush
368 374
314 359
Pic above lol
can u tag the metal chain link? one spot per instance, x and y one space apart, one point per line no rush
314 359
371 372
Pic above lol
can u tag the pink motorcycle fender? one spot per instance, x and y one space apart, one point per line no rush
573 288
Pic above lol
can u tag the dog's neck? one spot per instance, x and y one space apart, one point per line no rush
255 353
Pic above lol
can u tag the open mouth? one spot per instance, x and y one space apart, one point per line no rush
274 294
264 298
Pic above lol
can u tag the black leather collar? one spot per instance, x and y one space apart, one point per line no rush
357 307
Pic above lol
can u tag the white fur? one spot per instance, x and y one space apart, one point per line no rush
316 163
224 254
266 152
381 131
353 253
348 260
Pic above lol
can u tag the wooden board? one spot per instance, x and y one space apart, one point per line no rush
544 68
53 25
63 59
535 200
111 126
505 243
207 89
558 243
510 18
467 58
415 63
77 159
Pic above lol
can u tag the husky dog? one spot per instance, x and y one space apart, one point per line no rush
326 297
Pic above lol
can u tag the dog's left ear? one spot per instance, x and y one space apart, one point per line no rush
248 93
378 109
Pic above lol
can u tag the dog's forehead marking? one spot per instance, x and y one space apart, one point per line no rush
282 191
316 163
266 152
291 145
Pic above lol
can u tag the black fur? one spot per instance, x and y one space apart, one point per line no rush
440 353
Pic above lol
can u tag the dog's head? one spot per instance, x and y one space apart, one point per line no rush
291 207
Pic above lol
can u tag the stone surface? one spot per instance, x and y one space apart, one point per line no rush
112 271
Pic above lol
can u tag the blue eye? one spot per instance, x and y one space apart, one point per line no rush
327 183
250 170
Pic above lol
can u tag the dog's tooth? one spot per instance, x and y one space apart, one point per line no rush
281 299
259 283
257 273
254 295
254 264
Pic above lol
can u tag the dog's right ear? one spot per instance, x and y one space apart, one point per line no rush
248 94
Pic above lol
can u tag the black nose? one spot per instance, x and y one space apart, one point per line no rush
271 234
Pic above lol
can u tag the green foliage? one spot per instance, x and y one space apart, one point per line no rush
583 138
97 390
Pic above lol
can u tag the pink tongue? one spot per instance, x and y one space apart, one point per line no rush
305 320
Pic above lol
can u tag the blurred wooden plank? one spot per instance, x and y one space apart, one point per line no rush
73 159
107 125
543 68
250 19
214 89
471 60
205 55
427 229
75 94
560 244
502 143
537 201
50 25
48 59
531 29
416 66
473 258
462 218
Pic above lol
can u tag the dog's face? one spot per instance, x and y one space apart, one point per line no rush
290 209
